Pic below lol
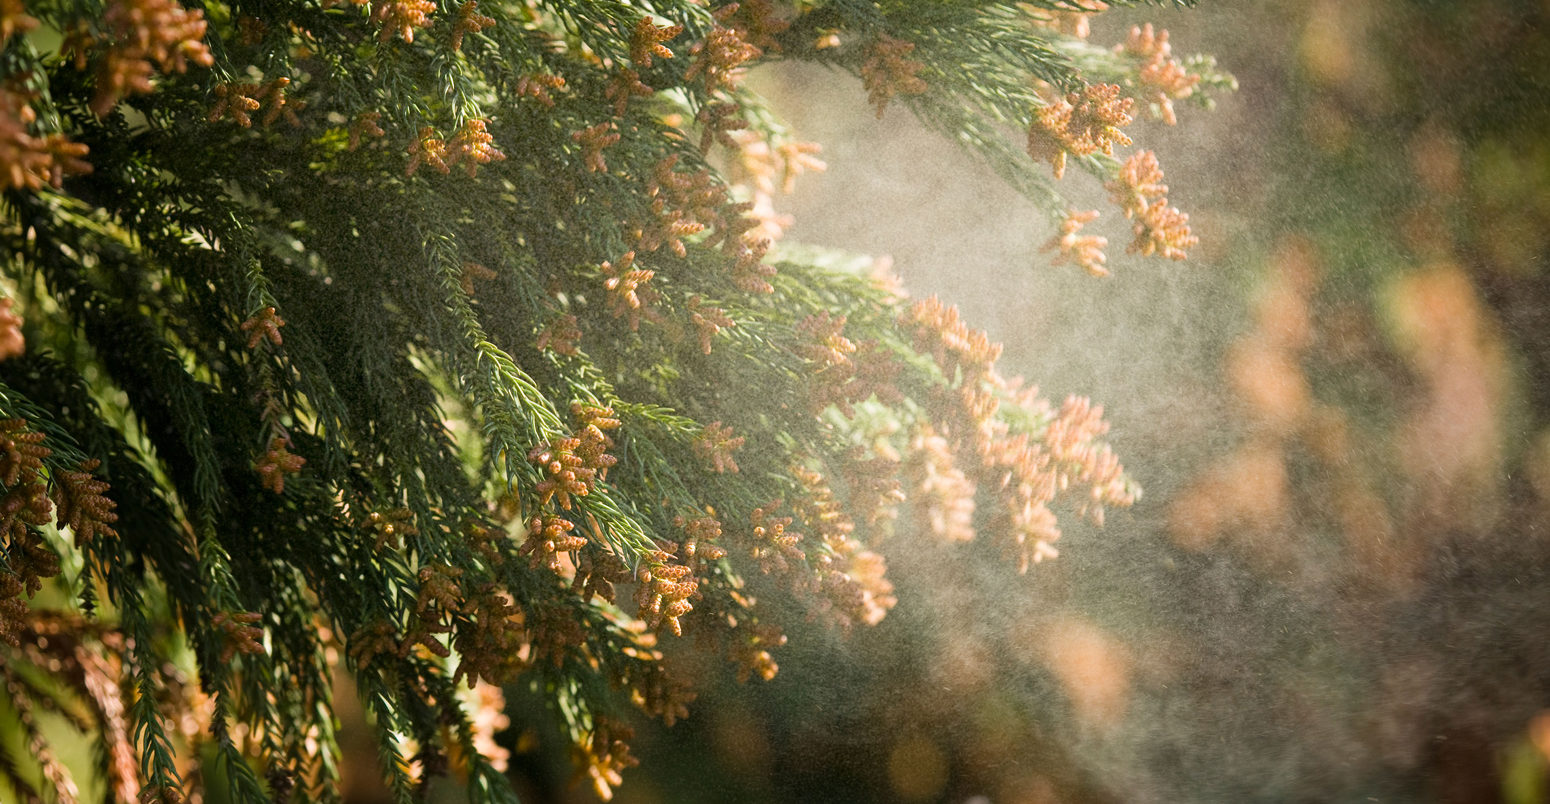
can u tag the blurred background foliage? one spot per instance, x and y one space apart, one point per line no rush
1336 586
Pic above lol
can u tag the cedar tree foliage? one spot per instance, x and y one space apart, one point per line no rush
442 344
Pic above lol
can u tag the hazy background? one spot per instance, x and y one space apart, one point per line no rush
1335 587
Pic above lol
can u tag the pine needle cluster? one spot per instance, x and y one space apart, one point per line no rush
444 341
